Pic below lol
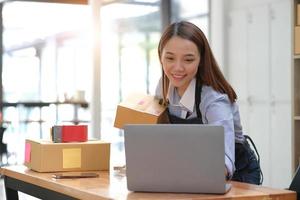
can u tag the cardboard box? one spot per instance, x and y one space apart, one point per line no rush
140 109
298 15
46 156
297 40
69 133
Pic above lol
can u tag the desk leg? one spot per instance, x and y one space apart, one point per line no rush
12 186
11 194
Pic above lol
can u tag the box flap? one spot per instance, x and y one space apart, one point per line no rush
143 103
48 142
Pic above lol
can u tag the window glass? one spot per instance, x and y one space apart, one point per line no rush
130 34
50 50
196 12
183 9
24 68
202 23
46 58
129 60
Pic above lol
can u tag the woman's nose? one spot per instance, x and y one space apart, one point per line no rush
178 65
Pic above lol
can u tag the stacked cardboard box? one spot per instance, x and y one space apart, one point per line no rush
297 32
69 150
47 156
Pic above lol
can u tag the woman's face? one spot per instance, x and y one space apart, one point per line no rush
180 59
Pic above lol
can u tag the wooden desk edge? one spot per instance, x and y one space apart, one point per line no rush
16 172
272 193
45 183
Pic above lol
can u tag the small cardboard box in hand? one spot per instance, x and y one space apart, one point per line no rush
140 109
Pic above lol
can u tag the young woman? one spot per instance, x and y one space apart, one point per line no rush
195 91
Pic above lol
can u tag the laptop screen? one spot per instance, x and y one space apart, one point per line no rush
175 158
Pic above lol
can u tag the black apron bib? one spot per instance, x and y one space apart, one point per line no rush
246 163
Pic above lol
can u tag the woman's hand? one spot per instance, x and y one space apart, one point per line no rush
226 172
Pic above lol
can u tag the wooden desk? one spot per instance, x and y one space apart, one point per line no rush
109 186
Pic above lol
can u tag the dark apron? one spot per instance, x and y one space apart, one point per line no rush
247 166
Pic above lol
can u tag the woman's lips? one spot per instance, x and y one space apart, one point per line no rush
177 76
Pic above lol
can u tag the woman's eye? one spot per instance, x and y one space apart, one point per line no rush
169 58
189 60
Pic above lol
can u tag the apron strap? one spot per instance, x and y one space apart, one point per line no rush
198 90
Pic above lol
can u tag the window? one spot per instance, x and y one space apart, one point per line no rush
129 61
196 12
50 50
46 68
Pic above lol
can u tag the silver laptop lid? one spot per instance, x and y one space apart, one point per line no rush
175 158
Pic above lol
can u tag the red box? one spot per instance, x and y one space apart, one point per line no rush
74 133
69 133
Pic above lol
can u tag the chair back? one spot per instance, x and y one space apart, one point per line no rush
295 185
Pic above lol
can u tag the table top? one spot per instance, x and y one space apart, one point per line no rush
113 186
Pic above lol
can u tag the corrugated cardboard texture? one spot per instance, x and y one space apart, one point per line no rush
48 156
297 40
298 14
140 109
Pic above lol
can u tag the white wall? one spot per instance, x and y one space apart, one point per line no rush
217 34
258 65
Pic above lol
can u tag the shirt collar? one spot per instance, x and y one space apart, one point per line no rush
188 98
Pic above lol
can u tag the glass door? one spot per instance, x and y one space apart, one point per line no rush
129 62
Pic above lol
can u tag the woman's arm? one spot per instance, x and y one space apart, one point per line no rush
218 111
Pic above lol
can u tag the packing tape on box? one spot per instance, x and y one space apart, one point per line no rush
72 158
27 152
146 104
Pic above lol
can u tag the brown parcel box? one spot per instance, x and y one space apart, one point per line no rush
297 40
46 156
298 14
140 109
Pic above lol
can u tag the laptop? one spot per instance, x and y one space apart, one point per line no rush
181 158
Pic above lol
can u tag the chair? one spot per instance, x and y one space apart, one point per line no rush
295 185
3 147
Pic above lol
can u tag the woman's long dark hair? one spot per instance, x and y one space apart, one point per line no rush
208 72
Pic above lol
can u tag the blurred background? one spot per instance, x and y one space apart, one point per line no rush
72 62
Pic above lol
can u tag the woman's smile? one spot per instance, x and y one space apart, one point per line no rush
178 77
